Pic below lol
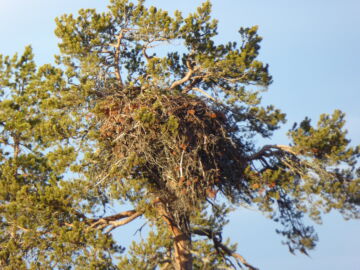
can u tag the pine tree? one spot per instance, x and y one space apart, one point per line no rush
146 110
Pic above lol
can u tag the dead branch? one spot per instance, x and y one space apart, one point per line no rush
205 94
115 224
267 151
114 221
116 216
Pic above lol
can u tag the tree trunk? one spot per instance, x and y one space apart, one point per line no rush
182 243
182 248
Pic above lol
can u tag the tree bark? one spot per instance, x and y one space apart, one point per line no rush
182 248
182 243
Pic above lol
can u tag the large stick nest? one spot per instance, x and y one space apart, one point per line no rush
185 148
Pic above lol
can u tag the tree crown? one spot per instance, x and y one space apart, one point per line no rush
145 109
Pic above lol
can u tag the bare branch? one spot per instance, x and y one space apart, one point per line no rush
145 54
267 151
217 239
148 45
236 256
181 162
115 224
140 229
117 55
114 221
106 51
16 145
116 216
205 94
187 76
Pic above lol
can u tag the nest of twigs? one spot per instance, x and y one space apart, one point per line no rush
183 146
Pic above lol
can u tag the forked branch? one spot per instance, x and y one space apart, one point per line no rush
187 77
114 221
118 223
221 248
148 45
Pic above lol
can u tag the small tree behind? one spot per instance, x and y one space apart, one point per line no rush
149 111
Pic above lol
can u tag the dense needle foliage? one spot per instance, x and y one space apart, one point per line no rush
145 110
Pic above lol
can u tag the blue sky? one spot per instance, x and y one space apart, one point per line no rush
313 51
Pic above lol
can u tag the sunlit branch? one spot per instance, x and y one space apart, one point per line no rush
187 76
95 222
267 151
149 46
205 94
118 223
117 55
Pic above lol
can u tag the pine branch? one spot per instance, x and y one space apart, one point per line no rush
149 46
117 55
114 221
187 76
220 247
205 94
115 224
267 151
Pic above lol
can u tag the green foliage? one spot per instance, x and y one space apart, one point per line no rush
145 109
36 201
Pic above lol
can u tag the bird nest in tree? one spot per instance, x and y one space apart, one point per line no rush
184 147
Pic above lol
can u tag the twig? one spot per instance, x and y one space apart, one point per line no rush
181 162
140 229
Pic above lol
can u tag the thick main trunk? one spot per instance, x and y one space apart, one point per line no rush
182 248
182 242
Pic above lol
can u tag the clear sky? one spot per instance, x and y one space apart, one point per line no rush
313 48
